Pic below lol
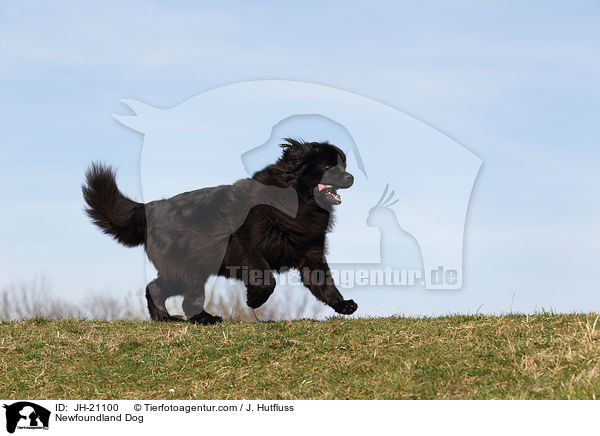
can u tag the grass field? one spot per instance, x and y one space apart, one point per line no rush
458 357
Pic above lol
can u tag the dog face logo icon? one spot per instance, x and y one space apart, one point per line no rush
26 415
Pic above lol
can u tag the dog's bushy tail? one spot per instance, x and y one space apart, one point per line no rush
117 215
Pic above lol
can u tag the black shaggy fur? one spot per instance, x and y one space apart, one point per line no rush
109 209
274 221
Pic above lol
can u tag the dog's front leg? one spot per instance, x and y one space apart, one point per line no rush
259 281
260 284
317 278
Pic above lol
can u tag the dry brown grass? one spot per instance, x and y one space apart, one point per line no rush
513 357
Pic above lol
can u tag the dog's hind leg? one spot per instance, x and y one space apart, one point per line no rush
157 293
193 305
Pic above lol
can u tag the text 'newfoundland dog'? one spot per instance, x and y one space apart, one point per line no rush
275 221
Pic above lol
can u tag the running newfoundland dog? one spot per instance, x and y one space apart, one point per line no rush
275 221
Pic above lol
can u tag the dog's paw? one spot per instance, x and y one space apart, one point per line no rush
256 297
157 314
205 318
345 307
255 301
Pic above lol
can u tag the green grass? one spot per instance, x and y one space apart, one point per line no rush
459 357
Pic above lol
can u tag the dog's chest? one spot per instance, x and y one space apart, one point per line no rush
289 244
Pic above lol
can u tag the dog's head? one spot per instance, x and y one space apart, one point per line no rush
318 170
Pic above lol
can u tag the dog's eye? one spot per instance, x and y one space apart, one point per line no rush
328 167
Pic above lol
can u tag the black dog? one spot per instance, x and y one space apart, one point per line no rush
275 221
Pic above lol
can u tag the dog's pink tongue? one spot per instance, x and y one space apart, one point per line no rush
321 187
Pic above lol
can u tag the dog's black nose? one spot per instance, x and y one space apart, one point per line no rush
349 179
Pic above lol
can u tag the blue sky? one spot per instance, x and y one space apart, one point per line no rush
518 84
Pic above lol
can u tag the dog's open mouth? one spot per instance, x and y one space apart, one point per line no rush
329 193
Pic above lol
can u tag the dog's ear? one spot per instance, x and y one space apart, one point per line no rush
291 142
293 153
